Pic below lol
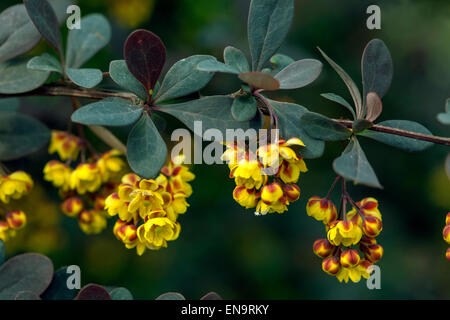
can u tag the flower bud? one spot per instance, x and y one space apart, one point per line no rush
331 265
323 248
373 253
321 210
447 218
16 219
72 206
119 223
127 233
366 241
349 258
272 193
292 192
446 233
99 202
372 226
447 254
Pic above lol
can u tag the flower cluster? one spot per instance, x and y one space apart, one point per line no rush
360 226
446 234
13 187
266 180
148 209
84 188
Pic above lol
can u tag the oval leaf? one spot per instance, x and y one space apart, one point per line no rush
45 62
171 296
374 106
268 24
146 149
405 143
9 104
244 108
260 80
353 165
58 289
184 78
145 55
15 77
108 113
281 61
26 295
216 66
120 74
211 296
338 99
236 59
84 43
20 135
299 74
323 128
26 272
121 294
86 78
93 292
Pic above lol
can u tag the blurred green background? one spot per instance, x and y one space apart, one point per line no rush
225 248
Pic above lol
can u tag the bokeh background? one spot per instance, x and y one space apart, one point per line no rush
225 248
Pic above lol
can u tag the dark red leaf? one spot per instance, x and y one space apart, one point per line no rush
145 55
93 292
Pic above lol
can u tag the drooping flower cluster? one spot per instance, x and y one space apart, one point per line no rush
148 209
446 234
13 187
360 226
266 180
83 189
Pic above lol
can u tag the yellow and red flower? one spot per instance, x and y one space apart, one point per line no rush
72 206
86 178
321 209
92 221
58 174
323 248
16 219
14 186
65 144
346 233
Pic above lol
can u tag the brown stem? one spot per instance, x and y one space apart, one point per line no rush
400 132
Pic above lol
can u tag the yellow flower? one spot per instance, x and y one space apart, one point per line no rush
110 165
65 144
292 192
289 172
349 258
58 174
4 231
178 176
114 205
72 206
323 248
247 198
354 273
272 200
16 219
14 186
368 208
321 210
345 233
174 204
446 233
248 173
131 13
92 221
155 232
331 265
86 178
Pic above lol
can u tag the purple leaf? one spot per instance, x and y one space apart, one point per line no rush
145 55
93 292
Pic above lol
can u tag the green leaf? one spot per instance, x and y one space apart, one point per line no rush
268 24
26 272
2 252
86 78
15 77
320 127
184 78
244 108
405 143
352 87
353 165
84 43
281 61
171 296
9 104
289 115
260 80
445 117
58 289
377 68
236 59
120 294
93 292
44 19
213 112
20 135
119 72
361 125
216 66
338 99
45 62
146 149
108 113
299 74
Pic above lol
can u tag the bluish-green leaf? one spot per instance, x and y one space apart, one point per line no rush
27 295
15 77
45 62
171 296
260 80
108 113
20 135
289 115
120 294
236 59
86 78
361 125
299 74
217 66
280 61
9 104
58 289
405 143
184 78
445 116
26 272
268 24
339 100
2 252
353 165
84 43
211 296
146 149
320 127
119 72
244 108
